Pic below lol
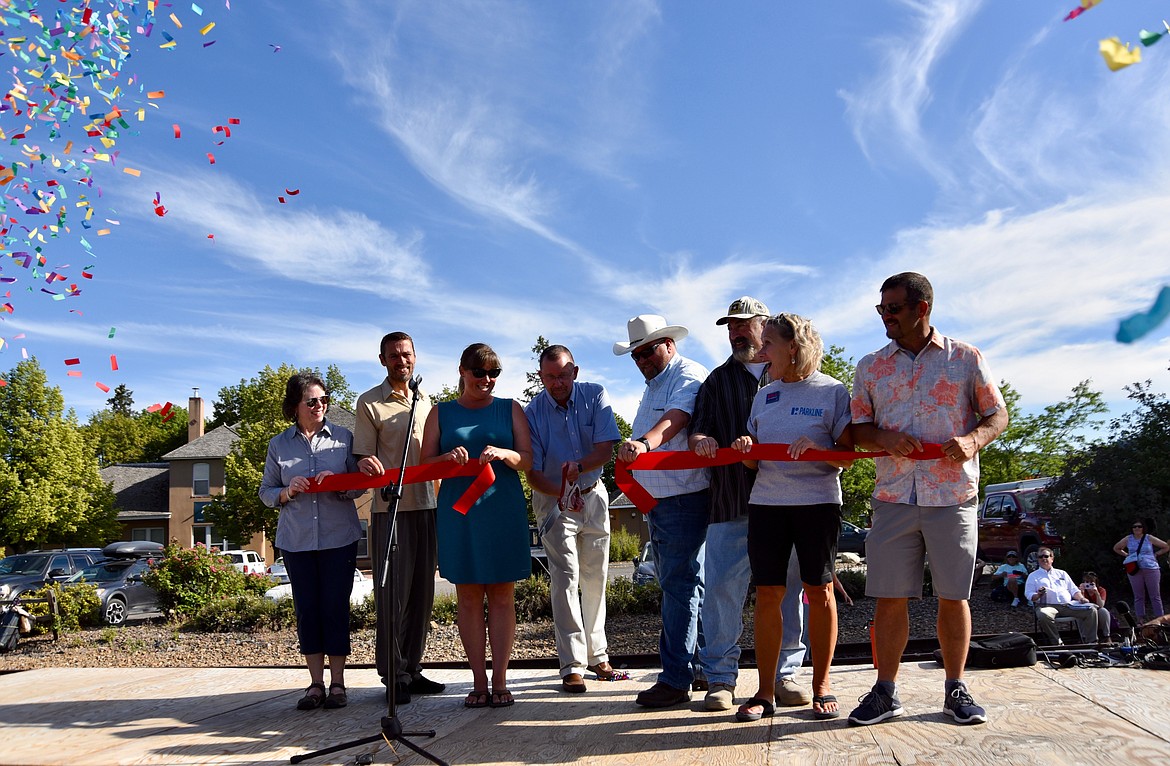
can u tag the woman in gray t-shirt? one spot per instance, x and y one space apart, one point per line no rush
795 504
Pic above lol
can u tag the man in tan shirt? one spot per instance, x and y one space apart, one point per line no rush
382 416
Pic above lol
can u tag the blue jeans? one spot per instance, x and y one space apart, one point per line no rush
727 574
678 526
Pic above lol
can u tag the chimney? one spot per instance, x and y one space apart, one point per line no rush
194 417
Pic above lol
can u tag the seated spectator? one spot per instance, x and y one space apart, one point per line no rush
1009 576
1053 594
1095 594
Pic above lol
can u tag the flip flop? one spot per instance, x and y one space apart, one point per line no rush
504 696
476 698
823 714
744 713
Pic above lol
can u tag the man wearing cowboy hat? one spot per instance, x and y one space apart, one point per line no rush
721 414
923 387
678 522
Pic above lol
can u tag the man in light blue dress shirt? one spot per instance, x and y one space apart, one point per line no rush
573 434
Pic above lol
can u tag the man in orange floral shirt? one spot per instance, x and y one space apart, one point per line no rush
923 388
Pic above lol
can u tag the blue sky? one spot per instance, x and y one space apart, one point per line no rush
491 171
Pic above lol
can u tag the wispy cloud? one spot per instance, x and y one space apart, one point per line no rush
889 106
292 242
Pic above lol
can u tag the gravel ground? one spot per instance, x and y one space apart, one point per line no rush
160 644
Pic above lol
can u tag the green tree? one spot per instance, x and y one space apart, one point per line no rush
229 408
117 437
50 490
255 406
857 481
1040 445
626 430
1105 486
534 384
122 402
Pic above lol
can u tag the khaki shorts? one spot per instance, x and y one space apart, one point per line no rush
902 537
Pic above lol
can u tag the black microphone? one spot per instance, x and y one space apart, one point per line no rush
415 382
1125 614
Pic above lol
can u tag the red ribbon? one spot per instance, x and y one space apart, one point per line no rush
416 474
672 461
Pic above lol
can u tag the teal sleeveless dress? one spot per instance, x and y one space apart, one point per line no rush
490 543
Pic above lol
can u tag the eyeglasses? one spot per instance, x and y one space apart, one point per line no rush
647 352
314 401
890 308
480 372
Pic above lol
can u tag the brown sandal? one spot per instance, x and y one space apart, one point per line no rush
336 699
476 698
606 672
312 701
501 698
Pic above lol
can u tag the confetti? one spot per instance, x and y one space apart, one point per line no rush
1118 56
132 172
1084 6
157 94
72 362
104 388
112 331
175 127
1142 324
211 158
113 363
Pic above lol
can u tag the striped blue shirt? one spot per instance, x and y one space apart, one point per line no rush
675 388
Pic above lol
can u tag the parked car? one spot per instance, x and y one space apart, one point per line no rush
120 588
852 539
278 572
248 562
1008 521
35 569
118 577
362 587
536 551
644 569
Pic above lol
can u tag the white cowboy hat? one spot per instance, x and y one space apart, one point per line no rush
647 328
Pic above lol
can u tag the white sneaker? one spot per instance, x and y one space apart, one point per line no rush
1015 602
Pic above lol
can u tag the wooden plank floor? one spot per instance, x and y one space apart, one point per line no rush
1037 716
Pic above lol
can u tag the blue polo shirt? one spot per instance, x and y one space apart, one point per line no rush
567 434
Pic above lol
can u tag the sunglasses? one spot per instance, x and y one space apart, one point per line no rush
313 402
890 308
1044 556
1138 526
479 372
647 352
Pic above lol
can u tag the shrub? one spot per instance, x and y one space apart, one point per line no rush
623 545
853 581
188 579
363 615
533 601
245 612
623 597
445 610
78 606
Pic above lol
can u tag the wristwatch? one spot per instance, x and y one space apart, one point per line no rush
643 440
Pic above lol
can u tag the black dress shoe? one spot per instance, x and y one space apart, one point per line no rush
421 685
662 695
401 693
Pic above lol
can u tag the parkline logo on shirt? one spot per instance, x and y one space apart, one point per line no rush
812 412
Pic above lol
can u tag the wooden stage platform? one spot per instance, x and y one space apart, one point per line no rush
1038 716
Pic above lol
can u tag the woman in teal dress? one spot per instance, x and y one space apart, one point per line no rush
485 551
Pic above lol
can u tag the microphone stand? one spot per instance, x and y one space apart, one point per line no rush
391 727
